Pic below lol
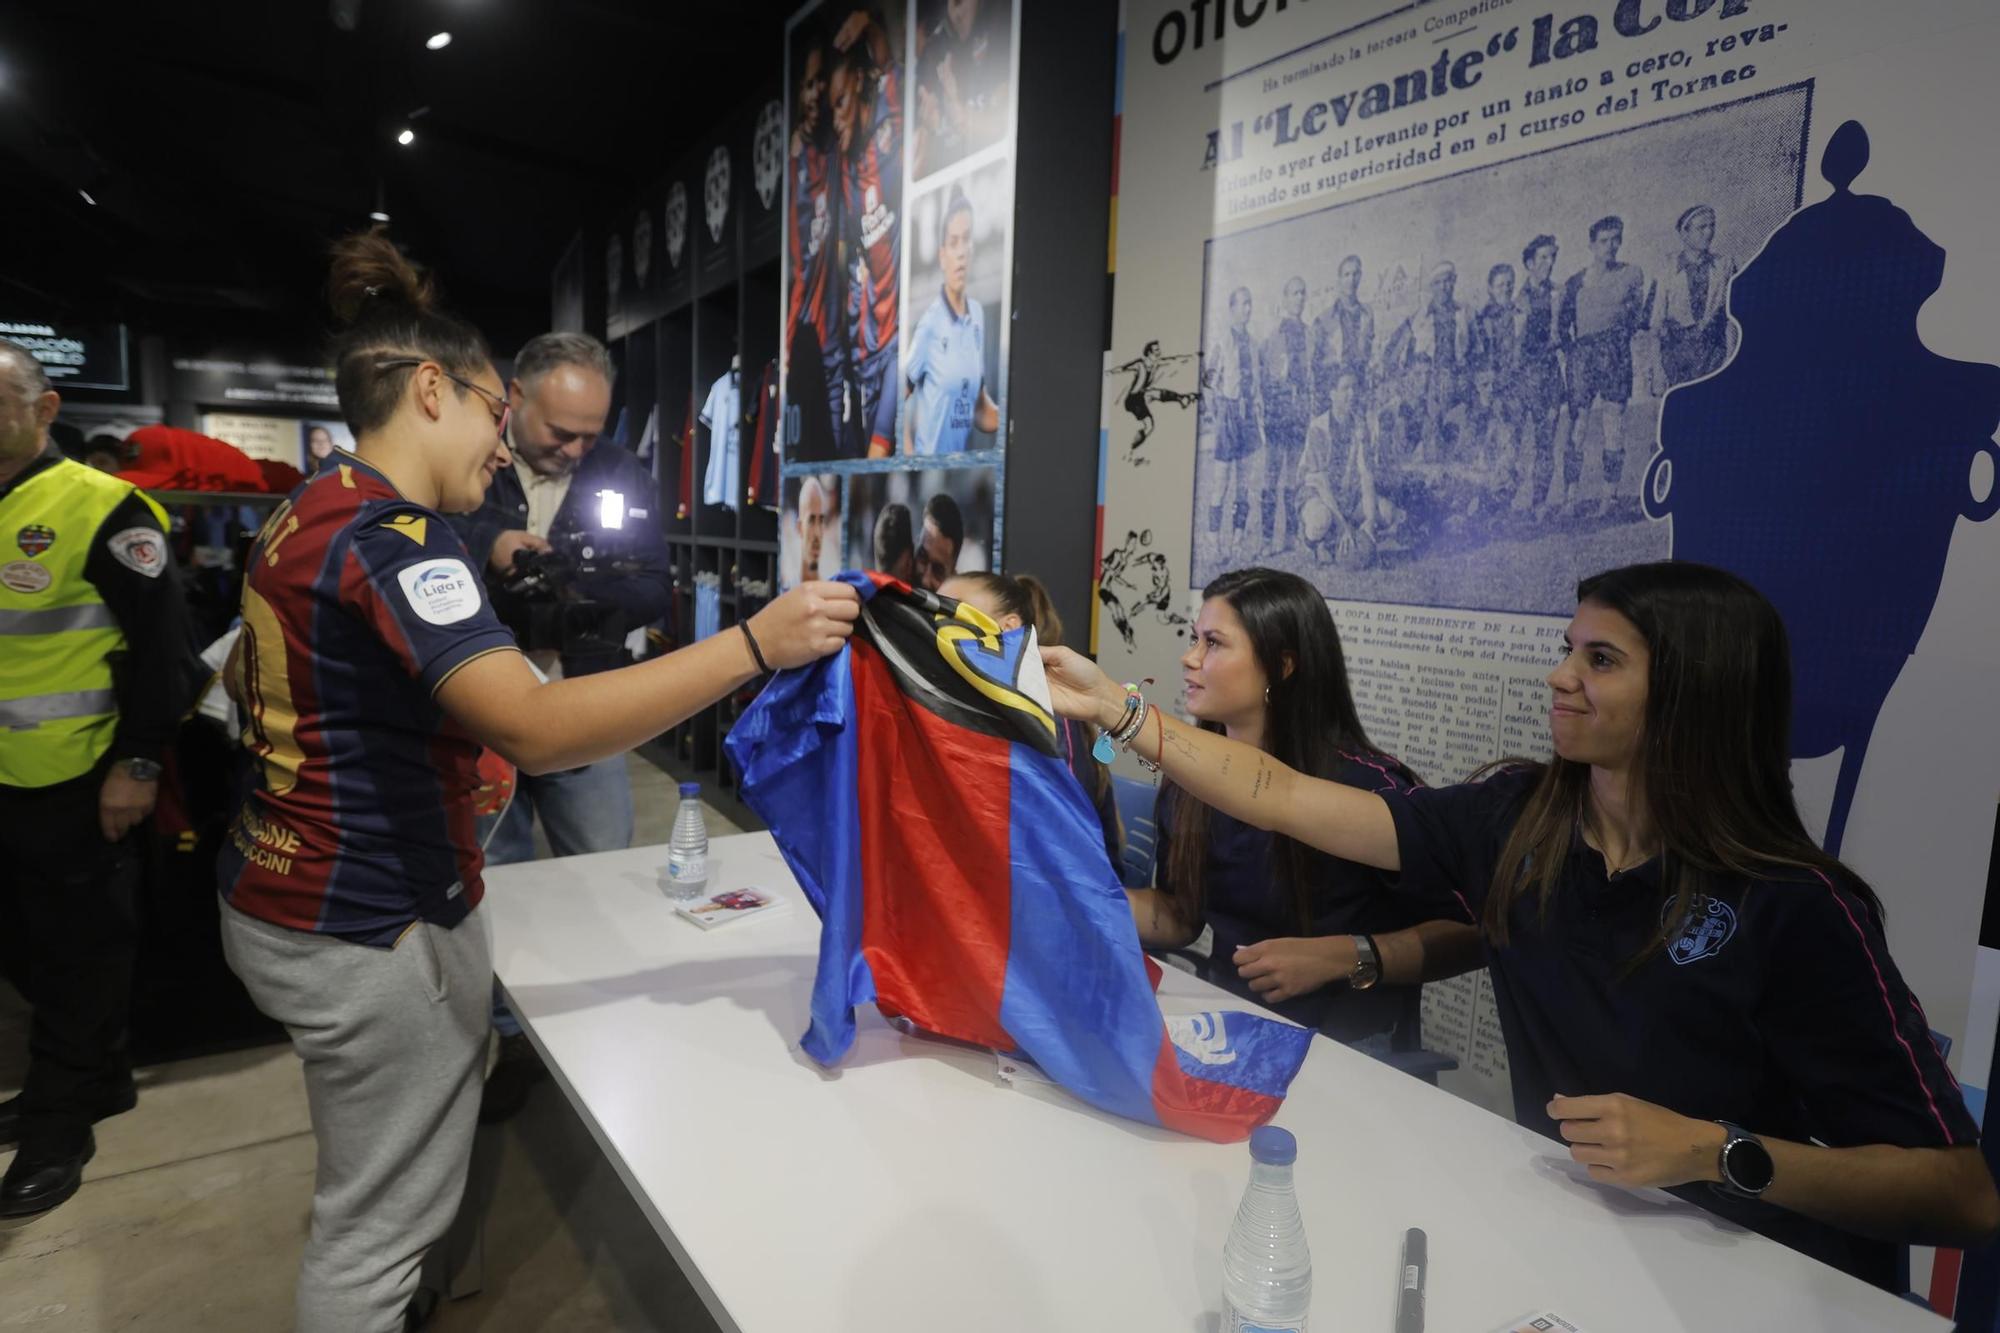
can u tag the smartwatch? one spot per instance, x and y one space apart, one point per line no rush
1745 1163
141 770
1367 963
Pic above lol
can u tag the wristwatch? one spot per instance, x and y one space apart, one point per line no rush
1367 963
141 770
1745 1163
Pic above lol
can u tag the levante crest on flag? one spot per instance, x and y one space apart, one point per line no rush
916 784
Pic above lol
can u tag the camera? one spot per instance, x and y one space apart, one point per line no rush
545 598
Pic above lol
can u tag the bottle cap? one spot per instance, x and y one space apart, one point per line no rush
690 789
1273 1146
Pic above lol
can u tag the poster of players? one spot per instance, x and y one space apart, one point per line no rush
809 528
894 301
1445 305
963 89
953 378
922 527
844 230
1446 394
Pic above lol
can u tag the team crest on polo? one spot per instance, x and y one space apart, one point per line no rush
1710 924
35 539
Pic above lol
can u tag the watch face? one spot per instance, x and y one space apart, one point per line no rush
1748 1166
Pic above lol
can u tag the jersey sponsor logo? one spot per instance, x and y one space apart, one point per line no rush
1203 1036
141 550
413 526
443 592
1711 923
25 576
35 539
877 219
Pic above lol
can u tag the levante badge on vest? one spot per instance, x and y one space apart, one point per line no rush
35 539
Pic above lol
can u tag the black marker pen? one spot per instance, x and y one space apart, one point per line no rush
1410 1295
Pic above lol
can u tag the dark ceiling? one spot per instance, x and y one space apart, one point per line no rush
225 142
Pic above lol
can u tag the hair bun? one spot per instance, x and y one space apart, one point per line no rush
368 269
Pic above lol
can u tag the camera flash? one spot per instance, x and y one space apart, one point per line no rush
610 509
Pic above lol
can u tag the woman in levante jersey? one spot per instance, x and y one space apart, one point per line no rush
1694 995
371 669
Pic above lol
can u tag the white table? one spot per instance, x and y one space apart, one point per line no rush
913 1190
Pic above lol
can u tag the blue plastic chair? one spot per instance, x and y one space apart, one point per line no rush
1142 836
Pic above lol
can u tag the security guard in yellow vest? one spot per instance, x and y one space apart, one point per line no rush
93 677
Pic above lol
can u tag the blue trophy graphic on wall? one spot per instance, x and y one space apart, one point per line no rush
1829 461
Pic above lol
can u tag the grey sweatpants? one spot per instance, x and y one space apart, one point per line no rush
394 1044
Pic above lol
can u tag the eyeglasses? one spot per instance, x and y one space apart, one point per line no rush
501 408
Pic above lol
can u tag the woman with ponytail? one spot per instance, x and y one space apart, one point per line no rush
371 669
1014 600
1695 997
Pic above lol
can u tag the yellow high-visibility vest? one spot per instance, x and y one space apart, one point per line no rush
57 709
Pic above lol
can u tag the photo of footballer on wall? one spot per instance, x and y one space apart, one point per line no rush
952 377
964 80
809 529
843 231
921 527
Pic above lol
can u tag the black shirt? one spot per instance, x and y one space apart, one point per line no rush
1776 1007
158 676
1246 902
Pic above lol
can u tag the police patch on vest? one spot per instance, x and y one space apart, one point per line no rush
25 576
443 592
35 539
1710 925
141 550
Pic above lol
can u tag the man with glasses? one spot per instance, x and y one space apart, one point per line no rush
563 483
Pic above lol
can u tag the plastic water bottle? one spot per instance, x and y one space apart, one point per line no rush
1267 1274
687 854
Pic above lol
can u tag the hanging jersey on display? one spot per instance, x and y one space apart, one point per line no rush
916 784
762 488
723 415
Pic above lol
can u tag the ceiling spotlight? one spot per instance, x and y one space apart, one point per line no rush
438 41
378 216
406 138
87 199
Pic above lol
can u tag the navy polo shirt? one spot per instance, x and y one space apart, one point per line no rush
1776 1007
1247 901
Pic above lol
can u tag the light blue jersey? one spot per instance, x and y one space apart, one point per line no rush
947 369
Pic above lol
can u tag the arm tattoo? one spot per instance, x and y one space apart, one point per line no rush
1262 782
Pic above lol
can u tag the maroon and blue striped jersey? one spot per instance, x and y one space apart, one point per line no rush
872 196
357 605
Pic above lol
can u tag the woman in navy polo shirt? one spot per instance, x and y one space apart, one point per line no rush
1694 995
1307 934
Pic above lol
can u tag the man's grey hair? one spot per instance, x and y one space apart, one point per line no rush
546 351
21 367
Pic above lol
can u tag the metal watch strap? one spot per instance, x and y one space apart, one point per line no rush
142 770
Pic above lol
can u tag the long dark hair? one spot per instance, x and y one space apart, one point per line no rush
385 308
1713 771
1310 725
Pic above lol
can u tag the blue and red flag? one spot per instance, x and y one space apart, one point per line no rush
916 785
